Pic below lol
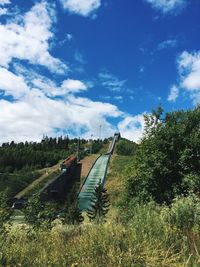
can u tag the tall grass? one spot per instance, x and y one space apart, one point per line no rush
135 235
147 240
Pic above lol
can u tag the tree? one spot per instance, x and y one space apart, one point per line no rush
74 215
5 210
99 204
167 161
34 211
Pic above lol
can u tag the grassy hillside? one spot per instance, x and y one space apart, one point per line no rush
154 216
146 239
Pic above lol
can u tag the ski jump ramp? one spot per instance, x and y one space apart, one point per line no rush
96 174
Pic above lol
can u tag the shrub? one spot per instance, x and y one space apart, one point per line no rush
191 182
184 213
125 147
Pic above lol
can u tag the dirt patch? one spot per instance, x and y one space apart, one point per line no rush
87 163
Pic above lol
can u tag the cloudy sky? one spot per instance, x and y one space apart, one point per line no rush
72 67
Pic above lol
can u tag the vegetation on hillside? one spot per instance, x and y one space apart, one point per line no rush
166 163
16 156
126 148
20 162
154 189
14 182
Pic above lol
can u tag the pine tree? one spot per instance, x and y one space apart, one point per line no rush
74 215
99 204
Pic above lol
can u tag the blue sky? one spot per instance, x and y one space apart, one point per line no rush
71 66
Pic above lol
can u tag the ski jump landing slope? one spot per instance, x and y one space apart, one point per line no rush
96 174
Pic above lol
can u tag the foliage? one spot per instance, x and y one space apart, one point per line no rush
99 204
143 235
74 215
18 180
32 155
40 214
169 152
5 210
125 147
146 240
96 146
191 182
34 211
184 213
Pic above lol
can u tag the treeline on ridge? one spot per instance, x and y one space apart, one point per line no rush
15 156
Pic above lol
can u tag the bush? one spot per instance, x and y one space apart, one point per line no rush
125 147
96 146
191 182
184 213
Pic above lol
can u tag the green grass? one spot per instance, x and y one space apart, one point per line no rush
115 177
40 181
38 184
144 239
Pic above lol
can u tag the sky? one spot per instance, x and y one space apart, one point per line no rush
90 68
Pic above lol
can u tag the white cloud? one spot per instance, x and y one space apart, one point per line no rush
3 11
111 82
28 39
12 84
171 43
79 57
67 38
132 127
67 87
189 76
36 114
73 86
4 2
189 69
174 91
168 6
81 7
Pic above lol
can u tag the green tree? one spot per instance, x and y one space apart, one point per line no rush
168 154
99 204
5 210
35 211
73 214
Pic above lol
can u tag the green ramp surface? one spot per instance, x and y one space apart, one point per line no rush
96 174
